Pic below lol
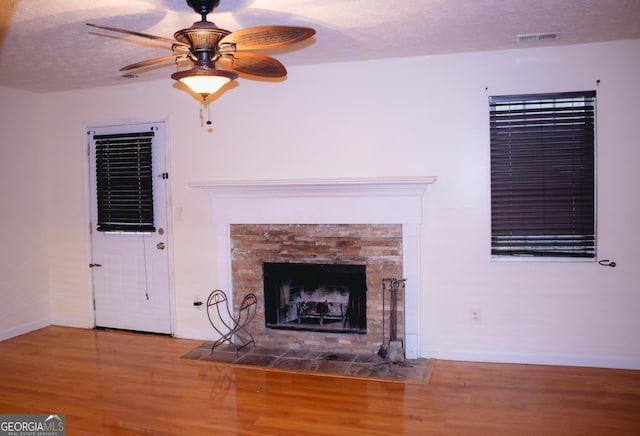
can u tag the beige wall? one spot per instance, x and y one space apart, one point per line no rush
24 297
400 117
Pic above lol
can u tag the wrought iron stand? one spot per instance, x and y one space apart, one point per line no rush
234 332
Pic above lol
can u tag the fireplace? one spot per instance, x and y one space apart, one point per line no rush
322 202
315 297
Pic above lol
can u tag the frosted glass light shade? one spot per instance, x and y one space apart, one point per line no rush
204 82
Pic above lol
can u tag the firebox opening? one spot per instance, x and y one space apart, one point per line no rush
315 297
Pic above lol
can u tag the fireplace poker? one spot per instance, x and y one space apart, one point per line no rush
382 352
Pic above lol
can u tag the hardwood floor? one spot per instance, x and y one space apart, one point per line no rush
120 383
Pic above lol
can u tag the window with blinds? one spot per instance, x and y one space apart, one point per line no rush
124 182
543 175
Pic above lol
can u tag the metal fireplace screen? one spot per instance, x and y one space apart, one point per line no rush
315 297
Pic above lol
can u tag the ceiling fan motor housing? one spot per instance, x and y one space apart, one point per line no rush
202 36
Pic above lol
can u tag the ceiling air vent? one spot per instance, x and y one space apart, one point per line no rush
533 37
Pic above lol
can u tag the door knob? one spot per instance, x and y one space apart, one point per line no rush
160 245
91 265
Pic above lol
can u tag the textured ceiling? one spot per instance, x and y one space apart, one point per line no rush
46 47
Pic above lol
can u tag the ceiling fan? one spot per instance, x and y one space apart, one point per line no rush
205 44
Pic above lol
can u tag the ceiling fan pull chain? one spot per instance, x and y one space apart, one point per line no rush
202 108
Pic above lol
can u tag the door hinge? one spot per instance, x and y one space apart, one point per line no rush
164 176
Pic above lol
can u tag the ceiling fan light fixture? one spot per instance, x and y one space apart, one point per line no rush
204 44
204 81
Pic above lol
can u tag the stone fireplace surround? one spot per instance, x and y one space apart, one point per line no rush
327 201
377 247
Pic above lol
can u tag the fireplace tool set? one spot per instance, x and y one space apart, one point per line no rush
395 352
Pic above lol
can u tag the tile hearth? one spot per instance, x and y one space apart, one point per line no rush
318 362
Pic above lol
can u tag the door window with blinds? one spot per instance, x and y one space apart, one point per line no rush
543 175
124 182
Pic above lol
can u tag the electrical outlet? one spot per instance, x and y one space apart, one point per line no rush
474 316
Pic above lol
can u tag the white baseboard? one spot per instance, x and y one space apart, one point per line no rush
23 328
72 322
598 361
203 335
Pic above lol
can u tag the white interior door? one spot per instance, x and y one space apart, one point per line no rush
130 265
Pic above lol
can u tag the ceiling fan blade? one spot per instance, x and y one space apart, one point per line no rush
255 64
152 62
264 37
143 35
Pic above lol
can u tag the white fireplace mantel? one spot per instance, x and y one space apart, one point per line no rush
396 200
318 201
